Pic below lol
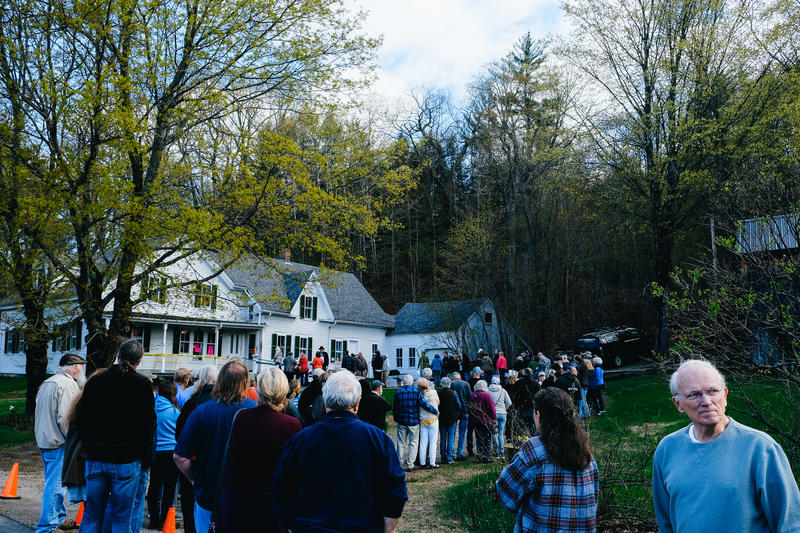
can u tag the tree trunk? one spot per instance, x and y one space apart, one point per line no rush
35 372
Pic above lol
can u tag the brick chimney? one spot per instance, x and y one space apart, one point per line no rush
287 255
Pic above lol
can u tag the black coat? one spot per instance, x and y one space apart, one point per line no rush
373 409
116 416
448 409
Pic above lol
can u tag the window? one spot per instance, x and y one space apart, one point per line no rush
183 341
141 333
308 307
374 348
412 357
399 357
69 337
205 296
302 344
197 344
211 343
15 341
154 288
337 349
284 341
487 317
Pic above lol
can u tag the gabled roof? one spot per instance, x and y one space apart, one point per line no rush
434 317
277 285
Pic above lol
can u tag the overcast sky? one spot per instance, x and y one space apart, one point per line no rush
443 44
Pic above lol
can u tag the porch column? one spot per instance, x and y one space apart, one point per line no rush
164 349
217 347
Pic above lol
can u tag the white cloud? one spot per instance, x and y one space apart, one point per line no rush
444 44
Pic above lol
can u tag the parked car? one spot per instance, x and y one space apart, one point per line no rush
616 346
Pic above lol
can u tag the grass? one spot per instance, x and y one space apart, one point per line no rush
15 427
639 412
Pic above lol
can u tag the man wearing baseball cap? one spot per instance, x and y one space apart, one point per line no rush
54 403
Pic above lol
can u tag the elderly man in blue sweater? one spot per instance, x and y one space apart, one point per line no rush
716 473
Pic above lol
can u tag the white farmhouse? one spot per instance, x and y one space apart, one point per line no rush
250 310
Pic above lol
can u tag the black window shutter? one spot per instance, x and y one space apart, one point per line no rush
145 287
146 340
54 345
309 346
302 306
78 334
274 344
213 297
333 349
162 291
296 345
344 346
314 308
176 335
5 344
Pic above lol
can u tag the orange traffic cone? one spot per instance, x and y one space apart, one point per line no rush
79 516
10 489
169 522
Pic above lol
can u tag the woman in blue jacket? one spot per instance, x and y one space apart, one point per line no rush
596 386
164 473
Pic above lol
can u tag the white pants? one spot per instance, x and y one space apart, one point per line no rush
407 441
428 443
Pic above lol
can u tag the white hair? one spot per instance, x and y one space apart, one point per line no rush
341 391
445 383
481 385
597 361
408 379
427 372
692 364
205 376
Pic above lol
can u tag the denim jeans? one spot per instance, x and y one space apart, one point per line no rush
137 515
463 423
428 435
53 510
447 436
483 440
112 484
202 518
499 438
407 441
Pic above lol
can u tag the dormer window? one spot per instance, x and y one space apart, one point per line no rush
308 307
205 296
154 288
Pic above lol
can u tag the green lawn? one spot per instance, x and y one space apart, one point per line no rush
14 427
639 412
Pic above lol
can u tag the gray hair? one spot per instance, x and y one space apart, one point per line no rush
66 368
341 391
423 384
272 388
205 376
481 385
692 364
455 375
445 383
408 380
597 361
426 372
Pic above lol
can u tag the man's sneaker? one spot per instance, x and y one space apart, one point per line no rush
68 524
601 412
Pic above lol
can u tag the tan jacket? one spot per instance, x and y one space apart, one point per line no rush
54 403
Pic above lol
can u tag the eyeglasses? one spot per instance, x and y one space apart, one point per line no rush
696 395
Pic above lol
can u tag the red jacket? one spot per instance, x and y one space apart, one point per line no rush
303 363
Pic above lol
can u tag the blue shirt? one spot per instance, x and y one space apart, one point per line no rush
436 364
183 396
407 402
203 439
166 416
341 474
739 481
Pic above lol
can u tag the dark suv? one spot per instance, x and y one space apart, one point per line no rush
616 346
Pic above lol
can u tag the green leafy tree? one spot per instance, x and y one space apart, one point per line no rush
127 103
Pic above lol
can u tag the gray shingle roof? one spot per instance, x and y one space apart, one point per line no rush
277 285
437 316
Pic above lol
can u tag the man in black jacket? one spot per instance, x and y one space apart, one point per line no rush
116 421
374 406
522 397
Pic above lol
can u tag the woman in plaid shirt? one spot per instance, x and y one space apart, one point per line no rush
552 483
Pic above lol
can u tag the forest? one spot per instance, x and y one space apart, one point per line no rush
594 179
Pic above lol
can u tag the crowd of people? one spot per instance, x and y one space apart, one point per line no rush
268 453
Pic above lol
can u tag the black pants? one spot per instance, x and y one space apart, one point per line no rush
187 504
595 399
161 493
